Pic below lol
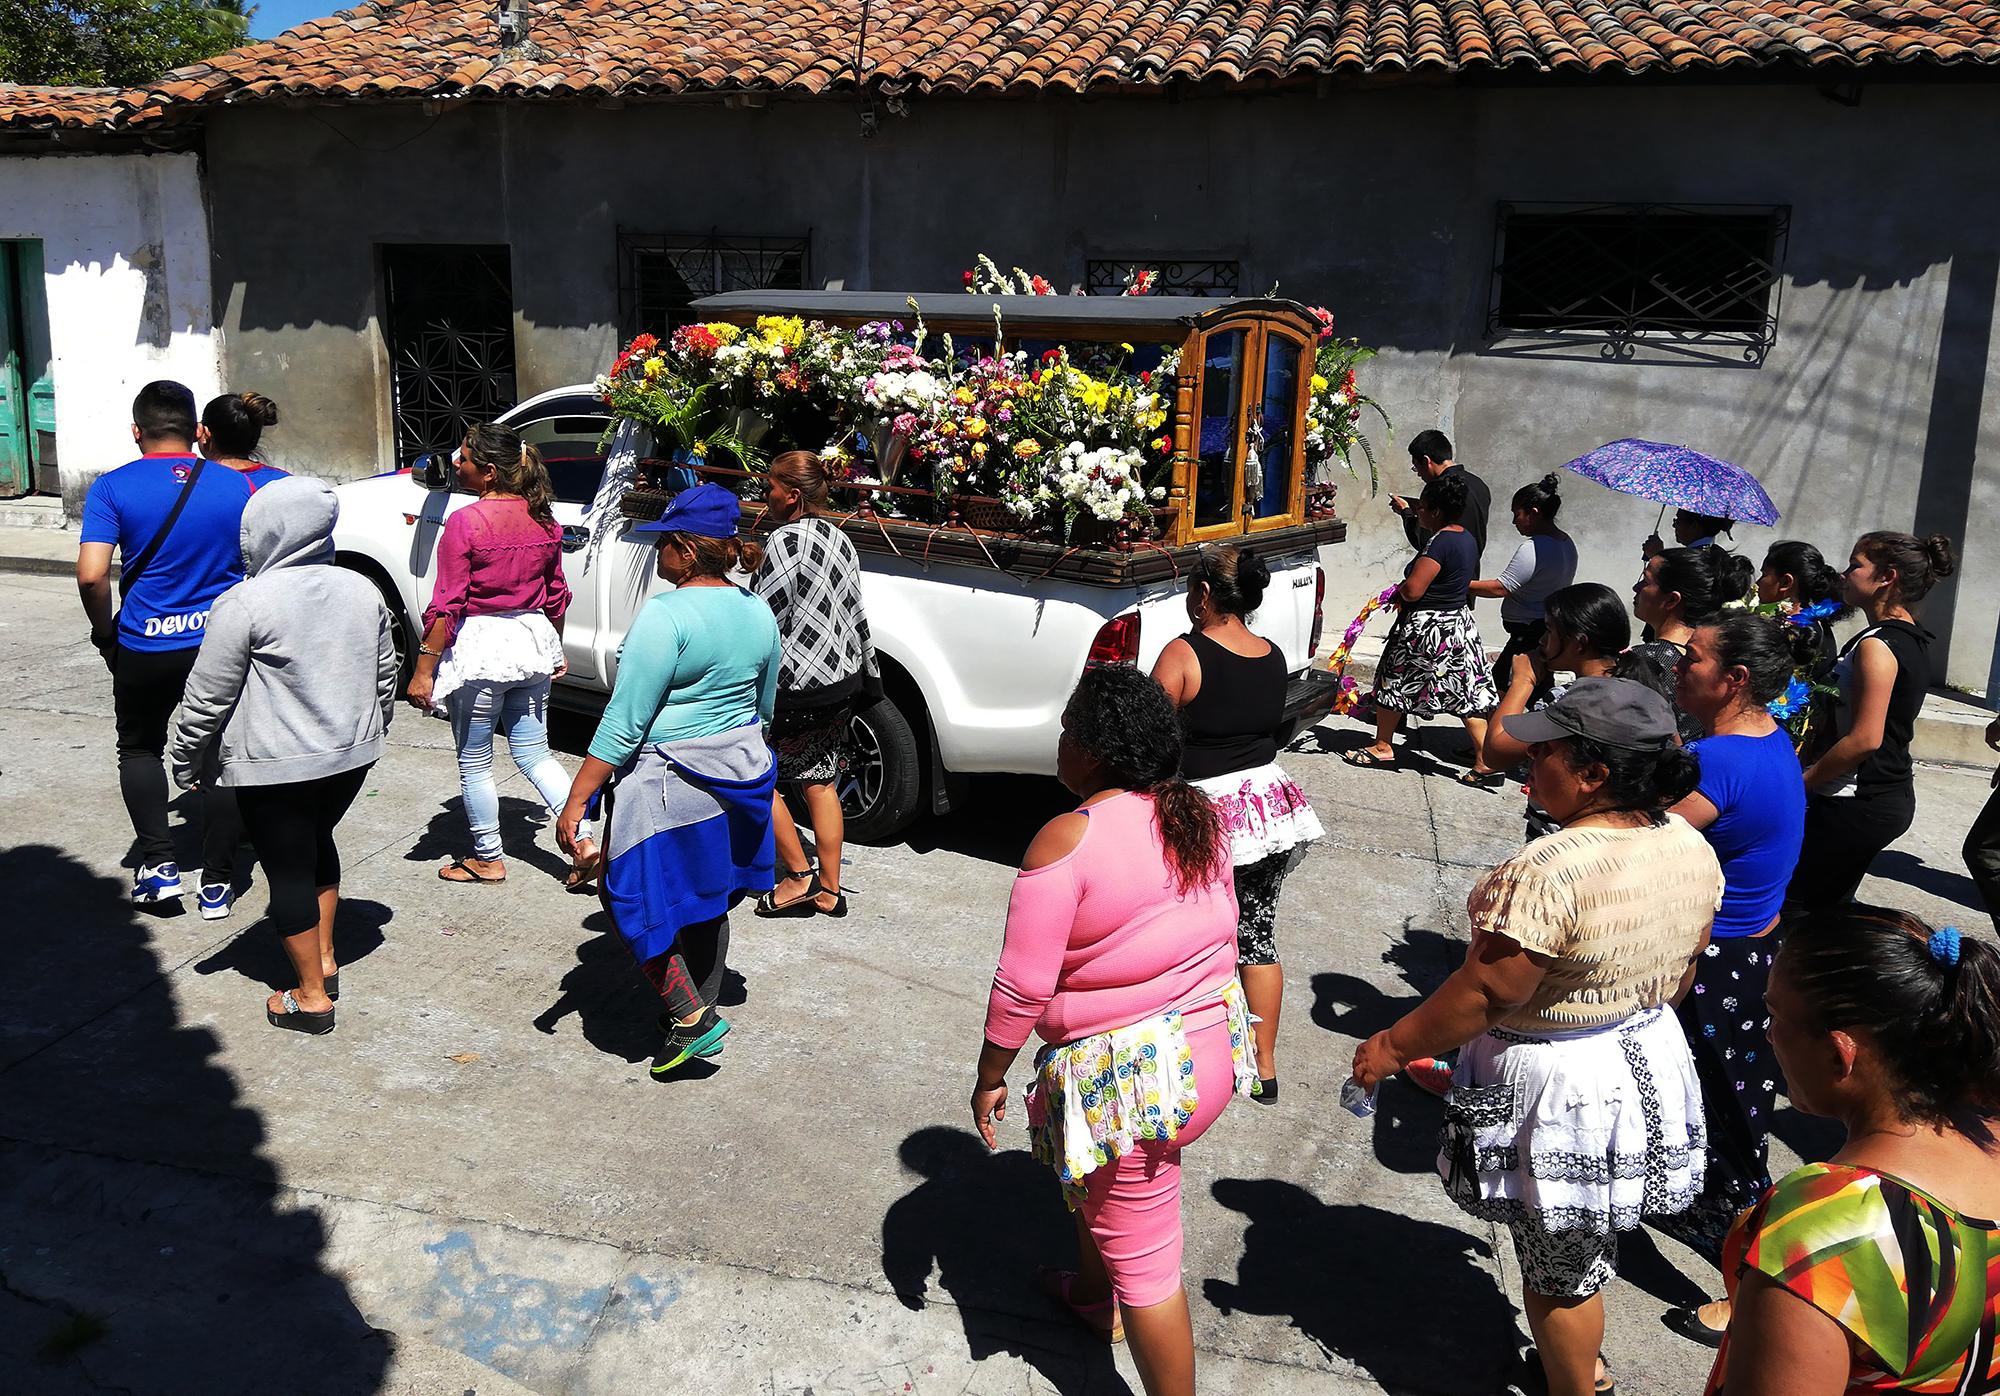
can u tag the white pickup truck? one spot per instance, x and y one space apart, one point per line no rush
977 662
981 639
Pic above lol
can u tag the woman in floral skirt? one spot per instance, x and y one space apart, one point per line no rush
1434 662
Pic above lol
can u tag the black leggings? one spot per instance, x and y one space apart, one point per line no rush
291 827
145 689
689 976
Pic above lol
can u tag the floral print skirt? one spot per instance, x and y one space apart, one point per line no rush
811 744
1434 664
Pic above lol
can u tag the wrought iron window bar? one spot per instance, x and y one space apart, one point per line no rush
702 264
1628 276
1107 276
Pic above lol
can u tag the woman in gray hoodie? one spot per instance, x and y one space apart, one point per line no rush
287 705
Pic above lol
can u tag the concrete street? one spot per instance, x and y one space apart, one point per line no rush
475 1185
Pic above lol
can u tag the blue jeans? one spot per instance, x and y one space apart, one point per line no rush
519 712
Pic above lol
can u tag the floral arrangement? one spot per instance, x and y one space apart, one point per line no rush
1349 695
985 278
1333 412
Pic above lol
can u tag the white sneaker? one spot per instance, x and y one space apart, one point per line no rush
159 883
215 900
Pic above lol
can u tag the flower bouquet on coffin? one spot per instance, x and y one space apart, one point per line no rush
1348 699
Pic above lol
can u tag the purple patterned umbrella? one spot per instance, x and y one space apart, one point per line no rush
1678 476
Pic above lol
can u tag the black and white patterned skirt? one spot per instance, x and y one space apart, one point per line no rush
1434 663
811 744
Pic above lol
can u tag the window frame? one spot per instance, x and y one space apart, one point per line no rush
1625 338
632 242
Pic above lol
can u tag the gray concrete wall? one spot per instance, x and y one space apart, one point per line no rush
1870 412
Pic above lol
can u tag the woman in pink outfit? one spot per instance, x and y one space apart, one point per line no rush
1120 955
493 637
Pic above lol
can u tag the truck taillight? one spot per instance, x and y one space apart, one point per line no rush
1319 610
1117 641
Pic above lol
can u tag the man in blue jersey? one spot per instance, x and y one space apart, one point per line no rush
176 521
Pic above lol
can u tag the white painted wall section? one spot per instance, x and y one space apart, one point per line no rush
125 253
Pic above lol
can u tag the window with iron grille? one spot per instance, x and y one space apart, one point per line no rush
661 274
450 328
1631 274
1180 276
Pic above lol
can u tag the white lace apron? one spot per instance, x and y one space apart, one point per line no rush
1096 1099
506 647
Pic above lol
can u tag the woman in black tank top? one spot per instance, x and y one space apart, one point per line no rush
1230 687
1861 794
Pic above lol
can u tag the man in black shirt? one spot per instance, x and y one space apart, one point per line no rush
1430 457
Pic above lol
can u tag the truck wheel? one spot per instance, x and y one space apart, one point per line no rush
884 776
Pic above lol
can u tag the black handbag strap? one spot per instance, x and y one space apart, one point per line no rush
128 575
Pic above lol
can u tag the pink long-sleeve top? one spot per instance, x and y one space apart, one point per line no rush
1103 938
493 557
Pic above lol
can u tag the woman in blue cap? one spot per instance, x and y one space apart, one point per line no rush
681 745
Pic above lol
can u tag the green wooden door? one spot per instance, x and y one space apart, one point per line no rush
37 372
17 464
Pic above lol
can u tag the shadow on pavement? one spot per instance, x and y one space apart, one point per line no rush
987 1221
615 1008
447 836
1948 883
146 1244
996 821
257 953
1442 1325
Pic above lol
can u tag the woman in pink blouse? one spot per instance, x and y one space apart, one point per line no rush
493 636
1120 954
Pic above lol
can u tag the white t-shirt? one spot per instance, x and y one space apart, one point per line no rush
1543 564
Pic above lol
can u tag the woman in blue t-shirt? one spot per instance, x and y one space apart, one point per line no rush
1751 806
1433 661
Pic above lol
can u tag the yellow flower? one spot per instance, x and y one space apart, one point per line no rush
979 450
788 330
655 366
1027 450
1126 347
976 428
725 333
1319 383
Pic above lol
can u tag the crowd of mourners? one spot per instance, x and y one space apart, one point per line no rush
1674 947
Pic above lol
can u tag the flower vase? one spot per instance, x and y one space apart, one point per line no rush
752 427
889 447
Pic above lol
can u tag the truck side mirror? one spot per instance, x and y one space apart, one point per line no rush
432 470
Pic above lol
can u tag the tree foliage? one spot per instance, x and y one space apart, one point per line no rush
112 43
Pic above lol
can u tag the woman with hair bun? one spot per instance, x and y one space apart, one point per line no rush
1229 685
231 427
1544 563
1120 954
1575 1107
1678 590
1751 806
1862 789
1433 661
1875 1271
492 637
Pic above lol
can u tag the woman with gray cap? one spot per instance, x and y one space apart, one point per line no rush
1575 1109
286 705
681 759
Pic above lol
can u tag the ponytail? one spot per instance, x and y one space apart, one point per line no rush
517 468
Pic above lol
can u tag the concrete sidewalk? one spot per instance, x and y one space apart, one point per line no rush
475 1185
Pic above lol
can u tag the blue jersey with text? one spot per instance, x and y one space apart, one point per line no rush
167 607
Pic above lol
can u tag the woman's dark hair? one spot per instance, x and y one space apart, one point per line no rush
1935 1025
1767 646
1708 578
1542 496
1430 445
1445 497
717 557
164 410
1591 613
1918 562
1124 720
517 468
1235 579
236 422
805 472
1817 579
1712 523
1637 780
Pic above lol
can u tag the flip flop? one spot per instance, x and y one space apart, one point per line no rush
583 871
1481 780
1368 760
333 986
1102 1318
458 865
296 1019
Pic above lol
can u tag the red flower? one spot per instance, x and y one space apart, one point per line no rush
643 345
1050 355
1040 287
1146 376
968 276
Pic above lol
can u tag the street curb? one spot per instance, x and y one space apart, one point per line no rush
43 566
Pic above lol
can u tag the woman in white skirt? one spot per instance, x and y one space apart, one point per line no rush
493 638
1229 684
1433 661
1575 1110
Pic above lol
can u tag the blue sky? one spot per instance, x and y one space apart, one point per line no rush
276 16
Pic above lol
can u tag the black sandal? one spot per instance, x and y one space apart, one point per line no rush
333 986
296 1019
1481 780
1369 761
805 904
458 865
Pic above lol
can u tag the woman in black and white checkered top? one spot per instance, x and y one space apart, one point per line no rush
811 578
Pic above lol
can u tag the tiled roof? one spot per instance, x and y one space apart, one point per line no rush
42 108
651 48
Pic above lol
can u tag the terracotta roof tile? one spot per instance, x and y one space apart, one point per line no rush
450 48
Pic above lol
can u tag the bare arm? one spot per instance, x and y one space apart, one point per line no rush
1503 752
1779 1345
1874 681
93 585
1697 809
1497 977
1493 589
590 779
1178 672
1419 581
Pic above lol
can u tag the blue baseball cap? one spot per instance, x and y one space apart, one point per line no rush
708 510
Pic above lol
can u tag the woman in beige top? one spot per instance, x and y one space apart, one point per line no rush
1575 1109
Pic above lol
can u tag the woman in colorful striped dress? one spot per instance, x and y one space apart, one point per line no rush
1878 1269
